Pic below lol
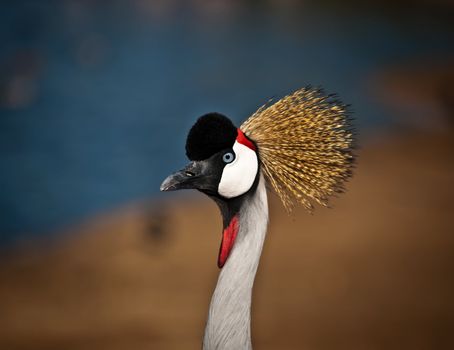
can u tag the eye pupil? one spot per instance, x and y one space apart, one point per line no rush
228 157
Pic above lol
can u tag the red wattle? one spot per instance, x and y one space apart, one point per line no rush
228 239
241 138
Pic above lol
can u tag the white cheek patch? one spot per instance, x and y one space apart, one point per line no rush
238 176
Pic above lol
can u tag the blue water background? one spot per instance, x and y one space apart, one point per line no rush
115 92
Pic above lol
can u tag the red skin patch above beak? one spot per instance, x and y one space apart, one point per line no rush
242 138
228 239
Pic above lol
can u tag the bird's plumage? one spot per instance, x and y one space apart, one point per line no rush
305 145
211 133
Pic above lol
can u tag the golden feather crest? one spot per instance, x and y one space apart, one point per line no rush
305 145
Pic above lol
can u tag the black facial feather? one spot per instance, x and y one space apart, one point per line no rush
211 133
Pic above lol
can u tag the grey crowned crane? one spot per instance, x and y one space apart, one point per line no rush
302 146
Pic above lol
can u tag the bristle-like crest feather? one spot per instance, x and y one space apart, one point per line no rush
305 142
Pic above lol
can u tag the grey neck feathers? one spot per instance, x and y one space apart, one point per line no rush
229 317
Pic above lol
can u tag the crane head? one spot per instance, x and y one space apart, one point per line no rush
223 161
224 165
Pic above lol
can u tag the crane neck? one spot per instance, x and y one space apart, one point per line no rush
229 317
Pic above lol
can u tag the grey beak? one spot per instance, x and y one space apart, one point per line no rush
177 181
199 175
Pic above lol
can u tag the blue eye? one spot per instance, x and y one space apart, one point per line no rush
228 157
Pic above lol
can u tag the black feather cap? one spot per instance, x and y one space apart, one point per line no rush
211 133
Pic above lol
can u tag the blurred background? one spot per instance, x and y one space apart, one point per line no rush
96 99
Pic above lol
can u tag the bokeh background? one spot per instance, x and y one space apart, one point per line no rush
96 99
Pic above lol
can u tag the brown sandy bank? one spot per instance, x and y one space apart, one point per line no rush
376 272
